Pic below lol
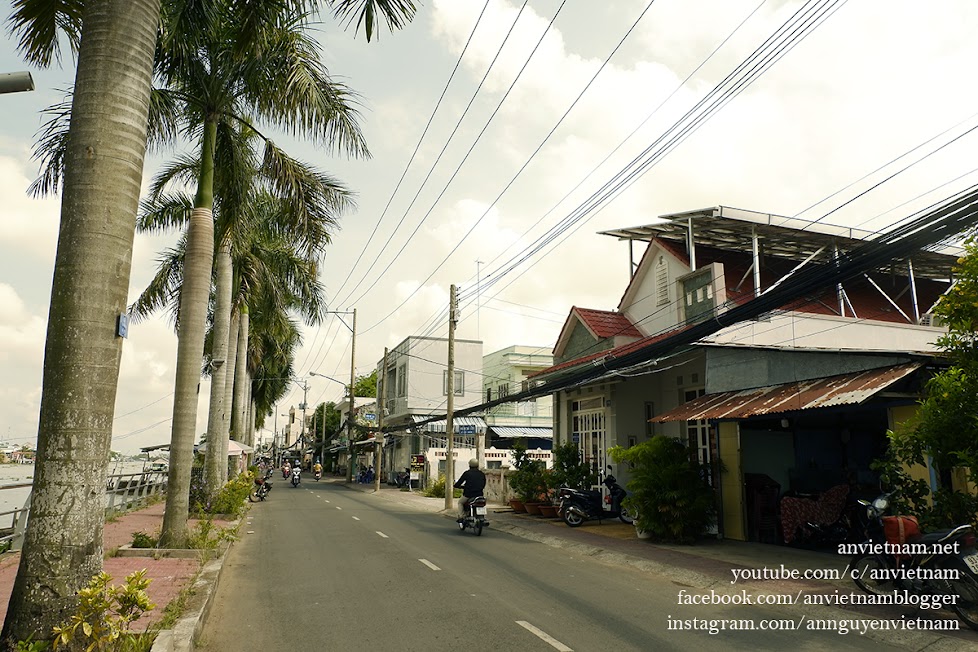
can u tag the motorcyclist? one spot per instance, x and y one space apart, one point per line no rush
472 483
295 475
317 468
286 469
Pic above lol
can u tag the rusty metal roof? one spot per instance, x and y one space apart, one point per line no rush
844 389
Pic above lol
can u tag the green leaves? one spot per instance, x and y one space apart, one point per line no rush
38 25
368 13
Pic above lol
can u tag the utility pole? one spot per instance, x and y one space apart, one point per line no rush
449 417
302 430
352 410
378 446
478 294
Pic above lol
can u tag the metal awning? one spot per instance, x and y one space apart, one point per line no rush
845 389
370 441
439 426
511 432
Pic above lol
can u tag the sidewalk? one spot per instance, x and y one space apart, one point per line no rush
169 575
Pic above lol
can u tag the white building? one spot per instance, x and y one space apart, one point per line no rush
415 402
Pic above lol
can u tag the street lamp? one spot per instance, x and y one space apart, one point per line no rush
353 380
15 82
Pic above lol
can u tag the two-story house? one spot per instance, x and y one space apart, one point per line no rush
797 400
504 372
415 401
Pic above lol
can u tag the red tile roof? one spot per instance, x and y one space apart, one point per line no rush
613 353
606 324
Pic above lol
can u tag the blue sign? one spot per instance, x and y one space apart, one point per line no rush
576 437
466 430
369 416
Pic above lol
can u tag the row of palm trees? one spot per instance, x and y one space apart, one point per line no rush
255 222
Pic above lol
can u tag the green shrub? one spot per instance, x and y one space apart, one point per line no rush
436 489
570 470
143 540
529 479
669 491
105 614
229 500
207 536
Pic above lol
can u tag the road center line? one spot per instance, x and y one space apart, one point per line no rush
339 508
382 534
542 635
355 518
429 564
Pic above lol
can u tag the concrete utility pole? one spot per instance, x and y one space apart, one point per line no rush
449 417
352 410
378 446
302 430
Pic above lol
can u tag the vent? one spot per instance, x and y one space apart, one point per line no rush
930 319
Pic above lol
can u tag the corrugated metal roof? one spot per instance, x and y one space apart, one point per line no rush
845 389
439 426
522 431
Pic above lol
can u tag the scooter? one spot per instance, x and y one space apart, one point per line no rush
295 477
476 517
318 475
577 506
919 569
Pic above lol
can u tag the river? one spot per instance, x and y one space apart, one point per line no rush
14 497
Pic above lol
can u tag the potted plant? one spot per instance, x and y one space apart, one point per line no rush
668 488
527 477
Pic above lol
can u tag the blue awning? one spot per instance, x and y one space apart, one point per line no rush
458 422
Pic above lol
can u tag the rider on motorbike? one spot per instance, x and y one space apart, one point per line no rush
472 483
317 468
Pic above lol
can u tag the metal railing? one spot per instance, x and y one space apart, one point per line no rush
124 491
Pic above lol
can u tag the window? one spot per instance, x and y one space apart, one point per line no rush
401 378
459 383
488 394
649 413
661 282
503 389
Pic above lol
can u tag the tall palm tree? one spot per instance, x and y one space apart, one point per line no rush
227 69
249 190
103 167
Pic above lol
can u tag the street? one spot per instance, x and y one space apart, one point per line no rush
320 567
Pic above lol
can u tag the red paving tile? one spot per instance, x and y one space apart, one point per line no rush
169 575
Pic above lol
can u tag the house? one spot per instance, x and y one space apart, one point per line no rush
796 400
364 421
505 371
415 402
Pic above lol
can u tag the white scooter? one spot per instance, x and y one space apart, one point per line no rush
295 477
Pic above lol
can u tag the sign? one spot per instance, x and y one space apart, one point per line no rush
466 430
417 466
369 416
576 437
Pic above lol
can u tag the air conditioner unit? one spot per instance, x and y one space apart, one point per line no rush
930 319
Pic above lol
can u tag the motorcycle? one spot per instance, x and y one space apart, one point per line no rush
262 487
318 475
295 477
920 571
577 506
476 516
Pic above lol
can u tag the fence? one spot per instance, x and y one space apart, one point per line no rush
123 491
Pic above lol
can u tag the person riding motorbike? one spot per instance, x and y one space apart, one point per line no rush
472 483
286 469
317 469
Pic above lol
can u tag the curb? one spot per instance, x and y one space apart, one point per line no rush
186 631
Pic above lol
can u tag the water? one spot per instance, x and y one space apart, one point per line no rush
14 497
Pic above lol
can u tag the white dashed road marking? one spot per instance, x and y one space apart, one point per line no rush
339 508
429 564
355 518
382 534
542 635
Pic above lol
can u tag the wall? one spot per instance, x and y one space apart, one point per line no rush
581 342
733 369
731 482
769 452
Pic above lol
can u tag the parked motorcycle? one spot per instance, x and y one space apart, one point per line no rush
920 572
577 506
262 487
476 517
295 477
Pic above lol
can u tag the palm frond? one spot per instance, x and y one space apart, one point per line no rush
368 13
181 171
164 212
163 291
288 86
51 147
164 118
38 25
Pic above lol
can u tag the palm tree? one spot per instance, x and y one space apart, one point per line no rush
103 167
226 68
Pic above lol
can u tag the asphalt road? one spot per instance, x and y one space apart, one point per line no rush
320 567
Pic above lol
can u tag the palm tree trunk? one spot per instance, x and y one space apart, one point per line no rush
241 378
103 171
194 297
216 434
229 388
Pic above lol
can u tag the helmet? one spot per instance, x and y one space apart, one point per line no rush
473 463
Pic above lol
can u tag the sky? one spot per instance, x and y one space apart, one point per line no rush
862 122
